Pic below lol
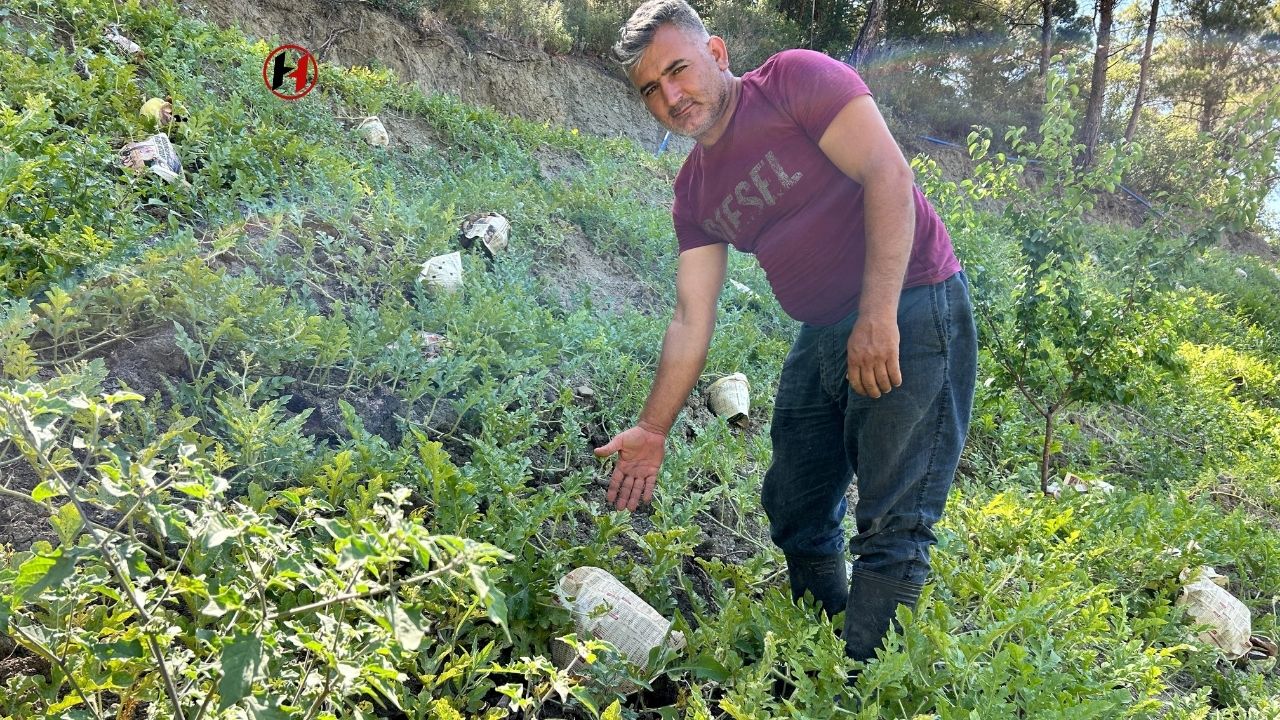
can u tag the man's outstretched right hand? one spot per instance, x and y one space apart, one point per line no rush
641 450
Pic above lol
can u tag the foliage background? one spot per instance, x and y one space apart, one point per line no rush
263 494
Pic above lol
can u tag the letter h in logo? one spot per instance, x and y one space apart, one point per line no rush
281 71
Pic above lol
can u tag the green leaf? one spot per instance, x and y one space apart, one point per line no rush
215 608
119 650
704 667
613 712
124 396
44 491
336 528
219 531
66 703
257 496
408 627
67 522
42 571
495 602
192 489
240 661
269 710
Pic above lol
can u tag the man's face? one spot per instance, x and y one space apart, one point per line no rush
684 81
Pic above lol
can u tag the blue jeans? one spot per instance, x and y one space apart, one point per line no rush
903 448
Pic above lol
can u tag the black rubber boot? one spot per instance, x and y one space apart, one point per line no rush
824 576
872 605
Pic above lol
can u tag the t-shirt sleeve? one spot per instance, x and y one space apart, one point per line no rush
689 234
813 88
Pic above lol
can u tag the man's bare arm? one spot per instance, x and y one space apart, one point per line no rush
699 277
859 143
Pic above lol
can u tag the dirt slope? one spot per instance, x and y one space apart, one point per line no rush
576 92
585 93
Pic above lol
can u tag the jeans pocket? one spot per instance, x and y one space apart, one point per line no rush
798 380
960 307
922 320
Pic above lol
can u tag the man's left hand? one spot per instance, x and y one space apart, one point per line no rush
873 356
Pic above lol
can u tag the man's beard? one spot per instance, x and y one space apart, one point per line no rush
717 110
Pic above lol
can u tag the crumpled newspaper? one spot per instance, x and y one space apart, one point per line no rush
491 229
373 132
1229 625
1080 485
156 153
122 43
605 609
443 273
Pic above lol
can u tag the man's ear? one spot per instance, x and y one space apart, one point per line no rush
716 45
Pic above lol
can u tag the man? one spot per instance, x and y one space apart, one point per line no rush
794 163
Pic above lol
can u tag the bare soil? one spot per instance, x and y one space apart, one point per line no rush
585 93
575 267
142 363
22 523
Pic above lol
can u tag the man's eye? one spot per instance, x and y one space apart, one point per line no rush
677 70
647 91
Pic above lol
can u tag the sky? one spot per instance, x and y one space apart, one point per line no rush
1271 211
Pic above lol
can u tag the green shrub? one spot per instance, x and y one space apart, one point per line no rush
297 434
594 24
195 599
752 31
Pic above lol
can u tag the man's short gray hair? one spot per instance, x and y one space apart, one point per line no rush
635 35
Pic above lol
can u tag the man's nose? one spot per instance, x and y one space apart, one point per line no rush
671 91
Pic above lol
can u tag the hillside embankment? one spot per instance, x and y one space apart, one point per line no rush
586 93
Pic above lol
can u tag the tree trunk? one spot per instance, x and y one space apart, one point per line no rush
1046 37
1144 67
869 33
1098 85
1048 444
1212 99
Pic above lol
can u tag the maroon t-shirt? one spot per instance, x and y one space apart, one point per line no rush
766 188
